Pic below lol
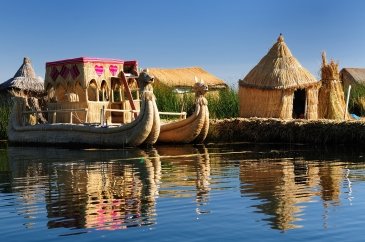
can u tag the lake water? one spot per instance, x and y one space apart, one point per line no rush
227 192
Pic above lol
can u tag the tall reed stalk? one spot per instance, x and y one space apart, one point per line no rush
5 106
357 100
223 104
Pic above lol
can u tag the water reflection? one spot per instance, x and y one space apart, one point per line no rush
186 173
282 185
106 190
118 189
286 186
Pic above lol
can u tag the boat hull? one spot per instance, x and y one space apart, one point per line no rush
131 134
194 129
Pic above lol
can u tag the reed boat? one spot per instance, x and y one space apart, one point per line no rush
91 101
193 129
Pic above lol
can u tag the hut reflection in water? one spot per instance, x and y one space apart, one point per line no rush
285 186
117 189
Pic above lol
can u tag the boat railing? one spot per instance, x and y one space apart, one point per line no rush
121 110
104 110
181 114
54 113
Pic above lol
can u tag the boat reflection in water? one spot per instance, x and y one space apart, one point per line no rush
118 189
186 173
102 189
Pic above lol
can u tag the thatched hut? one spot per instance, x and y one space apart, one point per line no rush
24 83
183 79
279 87
331 103
352 76
356 78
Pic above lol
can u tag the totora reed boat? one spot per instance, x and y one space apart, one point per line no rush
193 129
91 101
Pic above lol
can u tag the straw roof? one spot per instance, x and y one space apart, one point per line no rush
25 79
185 77
278 69
356 75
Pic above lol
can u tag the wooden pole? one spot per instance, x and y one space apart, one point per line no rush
128 92
347 102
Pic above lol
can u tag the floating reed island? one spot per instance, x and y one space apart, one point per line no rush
280 101
322 131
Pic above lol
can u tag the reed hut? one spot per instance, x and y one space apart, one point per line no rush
352 76
24 83
331 103
183 79
279 87
356 78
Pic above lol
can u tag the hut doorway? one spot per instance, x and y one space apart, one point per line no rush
299 103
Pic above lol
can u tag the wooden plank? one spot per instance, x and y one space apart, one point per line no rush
182 114
122 110
57 110
128 92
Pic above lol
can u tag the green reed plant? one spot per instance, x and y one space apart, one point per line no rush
5 106
223 104
169 101
357 100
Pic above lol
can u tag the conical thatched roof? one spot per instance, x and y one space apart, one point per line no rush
278 69
185 77
25 79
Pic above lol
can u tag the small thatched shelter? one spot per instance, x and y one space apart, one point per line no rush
279 87
331 103
352 76
25 82
356 78
183 79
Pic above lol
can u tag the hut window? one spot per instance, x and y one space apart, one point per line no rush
117 93
51 93
135 94
60 93
92 91
299 103
80 92
103 93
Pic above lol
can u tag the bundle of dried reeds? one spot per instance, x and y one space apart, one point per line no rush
331 96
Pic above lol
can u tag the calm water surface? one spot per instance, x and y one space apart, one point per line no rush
230 192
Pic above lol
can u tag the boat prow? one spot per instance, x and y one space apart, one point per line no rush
193 129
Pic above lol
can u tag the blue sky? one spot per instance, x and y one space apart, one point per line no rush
227 38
